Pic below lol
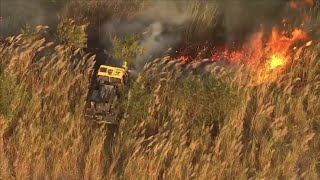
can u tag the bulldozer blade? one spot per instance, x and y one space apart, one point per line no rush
103 118
107 119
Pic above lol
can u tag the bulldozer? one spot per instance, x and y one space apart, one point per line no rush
106 95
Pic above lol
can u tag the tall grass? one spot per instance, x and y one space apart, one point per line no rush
271 132
178 125
46 136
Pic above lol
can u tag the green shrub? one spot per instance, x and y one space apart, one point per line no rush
7 94
138 104
71 34
126 48
211 96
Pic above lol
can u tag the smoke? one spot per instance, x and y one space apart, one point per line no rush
164 23
161 25
242 18
157 43
16 14
164 12
164 31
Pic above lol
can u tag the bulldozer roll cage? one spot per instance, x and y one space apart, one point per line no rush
111 72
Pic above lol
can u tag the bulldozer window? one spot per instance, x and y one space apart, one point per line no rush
103 69
115 80
117 73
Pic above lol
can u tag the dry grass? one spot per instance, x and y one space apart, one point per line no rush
177 125
272 133
45 136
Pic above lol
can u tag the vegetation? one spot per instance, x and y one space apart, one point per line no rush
183 120
72 35
126 49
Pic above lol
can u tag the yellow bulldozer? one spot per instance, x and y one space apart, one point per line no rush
106 95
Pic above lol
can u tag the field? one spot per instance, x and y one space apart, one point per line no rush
184 119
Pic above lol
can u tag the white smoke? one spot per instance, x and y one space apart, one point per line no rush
163 22
16 14
160 23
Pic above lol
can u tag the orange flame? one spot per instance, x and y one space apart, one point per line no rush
278 45
272 55
307 18
184 58
309 43
309 2
297 4
276 61
269 54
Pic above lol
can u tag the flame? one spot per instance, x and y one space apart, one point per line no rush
298 4
268 57
184 58
279 53
276 61
277 48
309 43
268 54
307 18
309 2
282 43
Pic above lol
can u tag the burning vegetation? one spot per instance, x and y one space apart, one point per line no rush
243 104
266 52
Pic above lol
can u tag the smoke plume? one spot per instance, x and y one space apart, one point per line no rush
16 14
165 23
161 25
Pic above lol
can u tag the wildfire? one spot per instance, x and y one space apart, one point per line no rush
227 55
267 53
281 45
309 43
268 57
297 4
184 58
279 52
276 61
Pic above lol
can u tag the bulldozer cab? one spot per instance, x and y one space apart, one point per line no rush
103 102
112 75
